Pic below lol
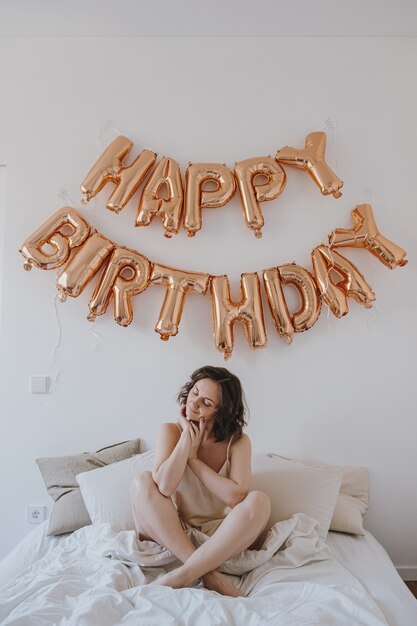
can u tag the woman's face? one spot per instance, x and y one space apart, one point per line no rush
203 400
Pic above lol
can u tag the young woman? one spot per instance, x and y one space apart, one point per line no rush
201 479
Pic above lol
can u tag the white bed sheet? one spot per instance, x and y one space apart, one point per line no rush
366 559
30 549
363 557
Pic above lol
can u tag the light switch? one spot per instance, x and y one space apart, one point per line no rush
39 384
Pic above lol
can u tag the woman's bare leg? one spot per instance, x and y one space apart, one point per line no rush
238 531
156 517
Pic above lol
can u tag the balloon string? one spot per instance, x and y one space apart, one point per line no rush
236 278
372 321
331 127
106 128
329 318
53 358
328 312
98 339
64 195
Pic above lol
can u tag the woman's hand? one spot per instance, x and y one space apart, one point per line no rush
195 432
183 422
196 435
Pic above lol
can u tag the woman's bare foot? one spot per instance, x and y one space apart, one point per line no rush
219 582
215 581
173 579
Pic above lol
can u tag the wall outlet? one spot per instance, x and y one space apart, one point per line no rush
35 514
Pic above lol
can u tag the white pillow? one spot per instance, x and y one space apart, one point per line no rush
105 491
293 487
297 488
352 501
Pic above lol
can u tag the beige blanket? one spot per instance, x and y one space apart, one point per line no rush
291 543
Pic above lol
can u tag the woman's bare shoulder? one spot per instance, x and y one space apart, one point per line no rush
167 438
243 438
241 443
168 428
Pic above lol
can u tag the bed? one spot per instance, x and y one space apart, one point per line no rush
303 574
57 580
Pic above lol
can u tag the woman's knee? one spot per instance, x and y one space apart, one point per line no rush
142 485
259 504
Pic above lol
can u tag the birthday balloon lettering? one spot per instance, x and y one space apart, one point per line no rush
89 253
123 289
310 303
353 283
226 313
78 272
177 284
50 234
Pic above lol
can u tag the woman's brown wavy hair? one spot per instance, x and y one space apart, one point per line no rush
230 417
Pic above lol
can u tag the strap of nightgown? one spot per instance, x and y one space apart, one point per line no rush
228 447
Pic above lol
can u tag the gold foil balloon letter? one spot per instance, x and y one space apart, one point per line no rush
177 284
83 266
365 234
310 304
311 159
252 193
122 288
50 233
197 198
353 284
109 168
248 311
166 174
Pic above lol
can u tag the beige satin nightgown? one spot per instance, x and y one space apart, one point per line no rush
197 506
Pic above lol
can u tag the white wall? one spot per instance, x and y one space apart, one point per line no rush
345 391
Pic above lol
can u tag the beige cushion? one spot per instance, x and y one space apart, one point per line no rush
106 491
352 501
69 512
297 488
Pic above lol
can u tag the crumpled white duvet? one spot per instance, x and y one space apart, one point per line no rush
98 576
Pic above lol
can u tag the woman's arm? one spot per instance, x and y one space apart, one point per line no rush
171 455
230 490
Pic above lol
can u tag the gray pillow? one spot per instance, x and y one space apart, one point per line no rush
69 512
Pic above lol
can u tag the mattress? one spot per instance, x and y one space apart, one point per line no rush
30 549
366 559
39 577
